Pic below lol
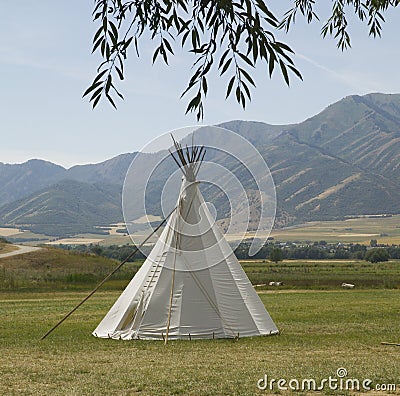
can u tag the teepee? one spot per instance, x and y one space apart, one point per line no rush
191 285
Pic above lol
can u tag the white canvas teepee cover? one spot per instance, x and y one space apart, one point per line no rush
190 286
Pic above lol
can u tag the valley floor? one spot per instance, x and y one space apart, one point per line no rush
321 331
386 230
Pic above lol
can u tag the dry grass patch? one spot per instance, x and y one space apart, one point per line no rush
7 248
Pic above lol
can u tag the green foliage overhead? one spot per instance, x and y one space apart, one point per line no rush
232 37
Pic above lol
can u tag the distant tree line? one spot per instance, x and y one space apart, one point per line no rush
274 251
319 251
117 252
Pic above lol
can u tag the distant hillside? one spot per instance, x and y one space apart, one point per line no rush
20 180
257 133
112 171
343 161
66 208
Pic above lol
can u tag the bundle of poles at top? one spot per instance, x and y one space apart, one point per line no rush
188 160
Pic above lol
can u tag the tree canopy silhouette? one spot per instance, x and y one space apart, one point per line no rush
232 37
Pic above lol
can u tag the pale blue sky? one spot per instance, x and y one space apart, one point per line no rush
45 65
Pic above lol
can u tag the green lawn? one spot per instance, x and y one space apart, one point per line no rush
325 274
321 331
50 269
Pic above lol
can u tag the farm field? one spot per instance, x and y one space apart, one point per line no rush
358 230
321 331
4 232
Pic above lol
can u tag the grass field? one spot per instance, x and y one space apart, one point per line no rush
325 274
50 268
321 331
323 328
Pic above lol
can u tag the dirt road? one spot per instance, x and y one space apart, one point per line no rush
21 250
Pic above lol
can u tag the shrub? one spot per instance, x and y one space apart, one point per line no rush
377 255
276 255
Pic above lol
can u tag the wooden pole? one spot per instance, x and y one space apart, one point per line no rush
173 279
106 278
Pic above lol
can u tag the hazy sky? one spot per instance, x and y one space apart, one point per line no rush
46 64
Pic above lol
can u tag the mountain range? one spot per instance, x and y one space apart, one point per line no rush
344 161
